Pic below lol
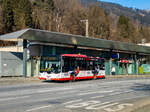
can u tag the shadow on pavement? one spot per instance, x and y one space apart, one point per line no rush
83 80
141 87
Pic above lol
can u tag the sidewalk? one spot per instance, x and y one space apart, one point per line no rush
4 81
142 105
19 80
145 108
126 76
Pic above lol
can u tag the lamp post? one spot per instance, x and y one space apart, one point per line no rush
87 26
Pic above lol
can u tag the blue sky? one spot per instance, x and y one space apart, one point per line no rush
140 4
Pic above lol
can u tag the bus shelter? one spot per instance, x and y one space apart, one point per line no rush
40 46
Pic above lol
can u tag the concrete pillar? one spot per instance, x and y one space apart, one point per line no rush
0 64
117 73
25 58
137 64
110 65
32 67
137 67
110 61
118 64
29 68
37 67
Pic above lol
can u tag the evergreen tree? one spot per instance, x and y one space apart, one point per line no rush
49 5
26 8
73 15
126 29
1 21
144 33
123 26
98 22
8 15
23 14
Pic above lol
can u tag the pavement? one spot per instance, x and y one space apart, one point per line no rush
122 94
4 81
21 80
127 76
145 108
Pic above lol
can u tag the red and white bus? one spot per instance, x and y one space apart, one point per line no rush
71 67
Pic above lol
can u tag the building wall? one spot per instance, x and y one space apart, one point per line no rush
12 49
11 64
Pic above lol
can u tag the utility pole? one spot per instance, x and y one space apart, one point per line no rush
87 26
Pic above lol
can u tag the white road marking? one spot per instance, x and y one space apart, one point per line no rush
66 92
98 96
95 92
13 98
129 91
72 101
102 107
83 104
96 106
49 90
116 93
38 108
118 108
121 92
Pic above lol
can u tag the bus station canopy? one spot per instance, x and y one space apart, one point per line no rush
35 35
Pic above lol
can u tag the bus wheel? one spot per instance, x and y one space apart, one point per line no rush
95 77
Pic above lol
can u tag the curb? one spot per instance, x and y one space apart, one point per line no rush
127 76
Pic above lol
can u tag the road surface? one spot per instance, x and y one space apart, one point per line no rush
113 95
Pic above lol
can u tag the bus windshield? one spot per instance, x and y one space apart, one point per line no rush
50 66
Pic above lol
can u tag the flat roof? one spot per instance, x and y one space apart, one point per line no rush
36 35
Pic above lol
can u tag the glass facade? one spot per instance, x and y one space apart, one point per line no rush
51 57
124 63
52 50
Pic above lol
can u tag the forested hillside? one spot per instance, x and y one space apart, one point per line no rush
143 16
66 15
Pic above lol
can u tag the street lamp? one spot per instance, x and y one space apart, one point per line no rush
87 26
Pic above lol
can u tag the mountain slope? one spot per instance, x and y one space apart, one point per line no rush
142 16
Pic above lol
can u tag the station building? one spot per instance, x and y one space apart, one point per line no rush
35 47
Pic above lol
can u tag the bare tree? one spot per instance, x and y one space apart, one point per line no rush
73 16
1 21
98 22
